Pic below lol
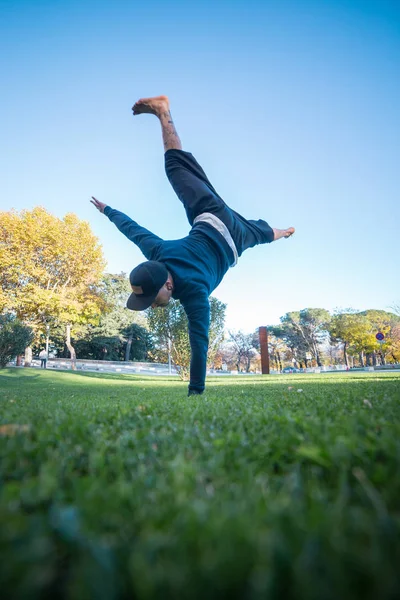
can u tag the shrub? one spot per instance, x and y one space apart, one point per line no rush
14 338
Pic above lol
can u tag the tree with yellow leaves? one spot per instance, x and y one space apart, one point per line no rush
49 270
357 332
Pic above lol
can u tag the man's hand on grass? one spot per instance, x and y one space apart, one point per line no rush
99 205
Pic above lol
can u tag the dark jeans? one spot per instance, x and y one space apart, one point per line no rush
43 363
197 195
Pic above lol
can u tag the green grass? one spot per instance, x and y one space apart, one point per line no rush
122 487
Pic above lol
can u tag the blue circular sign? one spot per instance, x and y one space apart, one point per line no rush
380 336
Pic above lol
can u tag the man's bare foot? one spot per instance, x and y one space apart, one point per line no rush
282 233
154 106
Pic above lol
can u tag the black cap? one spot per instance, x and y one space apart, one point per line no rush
149 276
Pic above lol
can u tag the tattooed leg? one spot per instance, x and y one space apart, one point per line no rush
159 106
170 136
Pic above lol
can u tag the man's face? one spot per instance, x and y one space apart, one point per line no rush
162 298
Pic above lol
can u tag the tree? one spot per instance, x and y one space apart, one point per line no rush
14 338
395 334
351 329
169 328
305 330
291 338
120 334
393 342
217 328
139 343
243 349
334 353
385 322
278 349
357 332
49 269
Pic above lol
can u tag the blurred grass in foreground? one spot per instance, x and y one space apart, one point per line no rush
266 487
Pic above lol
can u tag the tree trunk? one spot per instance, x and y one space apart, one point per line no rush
362 359
279 361
128 346
316 354
71 348
28 357
346 360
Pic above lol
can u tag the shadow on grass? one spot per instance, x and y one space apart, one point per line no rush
11 378
5 374
232 385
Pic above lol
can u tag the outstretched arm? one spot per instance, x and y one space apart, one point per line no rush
198 314
143 238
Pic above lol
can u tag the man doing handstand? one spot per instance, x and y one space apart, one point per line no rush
188 269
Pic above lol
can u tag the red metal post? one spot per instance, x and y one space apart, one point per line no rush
262 331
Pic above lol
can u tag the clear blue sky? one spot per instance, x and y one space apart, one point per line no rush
292 108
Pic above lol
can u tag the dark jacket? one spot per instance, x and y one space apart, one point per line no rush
197 264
